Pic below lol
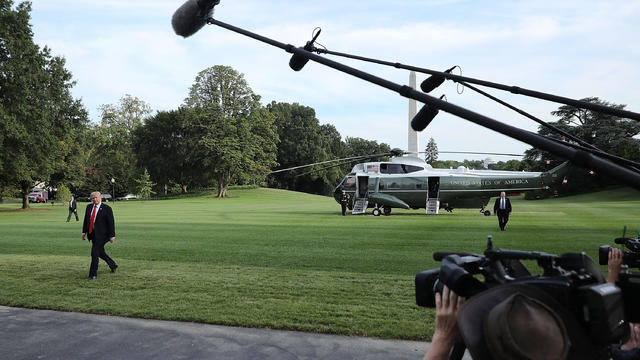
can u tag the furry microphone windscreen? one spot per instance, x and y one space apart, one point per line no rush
192 16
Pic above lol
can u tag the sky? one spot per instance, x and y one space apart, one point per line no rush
570 48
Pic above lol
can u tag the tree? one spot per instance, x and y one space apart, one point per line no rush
358 147
431 151
510 165
301 142
144 185
38 115
63 193
113 143
336 149
607 132
238 137
163 146
128 114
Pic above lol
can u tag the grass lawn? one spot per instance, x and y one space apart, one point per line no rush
277 259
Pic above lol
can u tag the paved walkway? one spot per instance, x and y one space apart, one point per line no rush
43 334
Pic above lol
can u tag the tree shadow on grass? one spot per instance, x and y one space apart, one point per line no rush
22 210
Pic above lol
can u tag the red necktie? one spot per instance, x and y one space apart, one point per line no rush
93 216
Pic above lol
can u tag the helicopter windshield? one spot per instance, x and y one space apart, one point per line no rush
350 183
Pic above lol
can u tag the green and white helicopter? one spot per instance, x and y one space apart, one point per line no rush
408 182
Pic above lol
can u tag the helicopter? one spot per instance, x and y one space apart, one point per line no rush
408 182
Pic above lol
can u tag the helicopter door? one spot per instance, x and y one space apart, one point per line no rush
433 195
361 199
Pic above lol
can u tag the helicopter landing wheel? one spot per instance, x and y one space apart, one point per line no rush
376 212
386 210
487 213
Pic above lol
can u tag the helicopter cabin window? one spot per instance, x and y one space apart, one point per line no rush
373 168
393 185
398 168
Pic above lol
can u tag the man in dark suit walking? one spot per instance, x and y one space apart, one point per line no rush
72 209
502 208
99 227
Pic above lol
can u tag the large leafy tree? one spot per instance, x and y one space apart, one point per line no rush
301 142
39 119
238 139
164 146
337 149
359 147
607 132
113 152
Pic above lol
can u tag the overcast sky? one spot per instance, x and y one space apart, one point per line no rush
569 48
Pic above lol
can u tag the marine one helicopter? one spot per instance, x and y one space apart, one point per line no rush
408 182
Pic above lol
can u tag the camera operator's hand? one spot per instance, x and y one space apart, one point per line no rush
446 332
614 265
634 338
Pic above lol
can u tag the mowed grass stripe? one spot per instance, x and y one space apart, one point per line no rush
319 301
279 259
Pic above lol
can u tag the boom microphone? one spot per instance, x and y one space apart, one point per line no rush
424 117
192 16
433 81
297 62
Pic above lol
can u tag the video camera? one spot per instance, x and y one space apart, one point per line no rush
573 279
630 258
627 281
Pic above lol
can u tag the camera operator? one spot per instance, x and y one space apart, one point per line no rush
446 331
630 349
507 322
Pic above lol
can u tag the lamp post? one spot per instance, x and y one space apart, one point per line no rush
113 188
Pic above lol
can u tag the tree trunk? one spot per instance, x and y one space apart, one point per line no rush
222 187
25 195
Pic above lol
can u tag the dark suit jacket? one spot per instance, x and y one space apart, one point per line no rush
103 226
72 205
507 205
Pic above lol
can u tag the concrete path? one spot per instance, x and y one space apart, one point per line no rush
43 334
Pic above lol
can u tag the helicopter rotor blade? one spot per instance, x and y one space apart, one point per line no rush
478 153
325 168
354 158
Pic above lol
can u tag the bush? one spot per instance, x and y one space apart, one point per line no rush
63 193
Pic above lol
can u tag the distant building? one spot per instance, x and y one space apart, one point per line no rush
488 161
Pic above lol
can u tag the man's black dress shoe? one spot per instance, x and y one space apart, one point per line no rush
93 278
113 269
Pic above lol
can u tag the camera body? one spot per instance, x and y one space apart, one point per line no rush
573 279
630 258
627 281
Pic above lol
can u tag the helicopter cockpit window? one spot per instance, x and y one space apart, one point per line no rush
387 168
373 168
350 183
357 168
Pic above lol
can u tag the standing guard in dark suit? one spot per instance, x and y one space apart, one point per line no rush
72 209
502 208
99 227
